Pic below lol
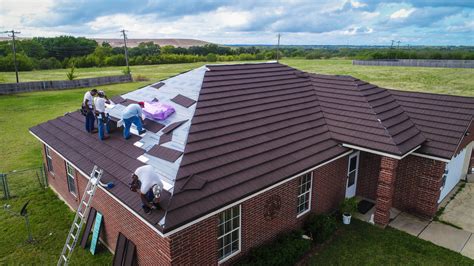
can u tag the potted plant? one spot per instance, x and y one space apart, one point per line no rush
348 207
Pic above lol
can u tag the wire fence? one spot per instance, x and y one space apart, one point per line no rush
20 182
417 63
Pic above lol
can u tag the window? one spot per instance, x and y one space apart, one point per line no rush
49 159
71 176
229 233
304 194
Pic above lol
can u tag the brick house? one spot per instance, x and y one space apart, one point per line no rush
252 149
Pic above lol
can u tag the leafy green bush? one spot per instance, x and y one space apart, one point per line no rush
349 206
286 250
320 226
70 75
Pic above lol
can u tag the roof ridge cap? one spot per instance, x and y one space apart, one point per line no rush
377 114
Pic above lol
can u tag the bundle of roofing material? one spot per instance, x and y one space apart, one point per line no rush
157 110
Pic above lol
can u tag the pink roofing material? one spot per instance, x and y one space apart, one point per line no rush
157 110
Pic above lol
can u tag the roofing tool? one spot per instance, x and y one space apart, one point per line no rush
108 185
81 215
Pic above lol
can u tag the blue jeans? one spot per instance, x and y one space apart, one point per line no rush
100 125
128 123
90 119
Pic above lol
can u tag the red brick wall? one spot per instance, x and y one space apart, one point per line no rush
57 180
329 186
369 168
197 244
417 186
151 248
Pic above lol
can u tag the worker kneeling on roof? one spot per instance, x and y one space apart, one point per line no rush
149 185
132 114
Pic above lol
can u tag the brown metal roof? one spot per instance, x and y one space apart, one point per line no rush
365 115
442 119
183 100
258 124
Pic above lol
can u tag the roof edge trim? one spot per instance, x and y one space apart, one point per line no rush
380 152
431 157
182 227
103 189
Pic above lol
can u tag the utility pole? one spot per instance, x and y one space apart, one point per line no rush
391 45
126 51
398 44
14 51
278 47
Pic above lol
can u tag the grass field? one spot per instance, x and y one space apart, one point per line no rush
49 215
363 244
454 81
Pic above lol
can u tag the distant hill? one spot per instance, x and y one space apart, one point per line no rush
185 43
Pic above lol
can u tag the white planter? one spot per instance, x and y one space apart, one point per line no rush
346 218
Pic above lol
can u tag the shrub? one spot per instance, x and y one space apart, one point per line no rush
320 226
286 250
70 75
140 78
349 206
211 57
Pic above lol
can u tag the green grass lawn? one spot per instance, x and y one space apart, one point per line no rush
21 150
363 244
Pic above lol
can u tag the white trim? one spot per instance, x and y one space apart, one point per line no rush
253 195
431 157
105 190
240 238
209 214
298 215
379 152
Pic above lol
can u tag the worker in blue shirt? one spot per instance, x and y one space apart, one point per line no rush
132 114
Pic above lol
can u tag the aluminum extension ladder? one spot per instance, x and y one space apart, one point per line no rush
81 215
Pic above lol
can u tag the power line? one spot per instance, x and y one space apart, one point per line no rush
126 50
278 47
14 51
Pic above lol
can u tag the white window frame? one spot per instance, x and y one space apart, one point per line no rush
239 230
310 192
73 177
49 159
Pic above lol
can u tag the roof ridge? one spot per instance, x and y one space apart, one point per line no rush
377 113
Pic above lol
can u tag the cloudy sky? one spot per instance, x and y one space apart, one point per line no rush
356 22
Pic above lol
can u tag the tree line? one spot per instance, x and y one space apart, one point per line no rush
69 51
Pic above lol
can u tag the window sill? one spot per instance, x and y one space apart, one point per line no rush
303 213
228 257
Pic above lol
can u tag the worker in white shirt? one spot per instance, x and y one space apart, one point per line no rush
102 117
147 182
88 110
132 114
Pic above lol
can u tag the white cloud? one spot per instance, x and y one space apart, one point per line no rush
357 4
402 13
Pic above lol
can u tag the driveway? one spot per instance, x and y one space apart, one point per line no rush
460 210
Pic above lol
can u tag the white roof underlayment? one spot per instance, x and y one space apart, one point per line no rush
187 84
